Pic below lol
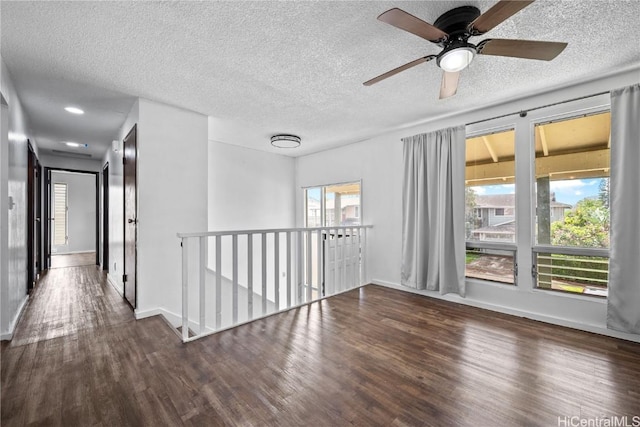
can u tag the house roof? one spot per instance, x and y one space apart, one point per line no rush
506 201
508 227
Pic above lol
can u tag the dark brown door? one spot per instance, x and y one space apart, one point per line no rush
47 219
105 217
33 216
130 216
38 219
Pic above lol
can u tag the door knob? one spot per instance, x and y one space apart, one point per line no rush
132 221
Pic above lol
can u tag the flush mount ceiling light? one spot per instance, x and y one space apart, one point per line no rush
74 110
456 59
285 141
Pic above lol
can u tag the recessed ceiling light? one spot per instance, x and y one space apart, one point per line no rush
74 110
75 144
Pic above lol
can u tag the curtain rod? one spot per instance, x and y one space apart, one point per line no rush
523 113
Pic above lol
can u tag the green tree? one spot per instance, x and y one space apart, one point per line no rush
586 225
469 211
603 193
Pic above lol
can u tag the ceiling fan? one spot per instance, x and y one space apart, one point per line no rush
452 31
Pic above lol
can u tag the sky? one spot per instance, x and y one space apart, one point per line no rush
569 191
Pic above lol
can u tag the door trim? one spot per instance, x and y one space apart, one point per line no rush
47 208
32 161
105 217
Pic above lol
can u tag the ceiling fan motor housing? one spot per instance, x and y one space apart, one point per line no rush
456 22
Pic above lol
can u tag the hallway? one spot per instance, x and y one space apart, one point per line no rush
74 359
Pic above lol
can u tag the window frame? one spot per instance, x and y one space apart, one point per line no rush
601 106
491 127
66 213
323 195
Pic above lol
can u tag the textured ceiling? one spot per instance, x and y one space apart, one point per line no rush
260 68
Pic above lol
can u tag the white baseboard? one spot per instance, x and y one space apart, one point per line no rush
513 312
7 336
113 282
173 319
73 252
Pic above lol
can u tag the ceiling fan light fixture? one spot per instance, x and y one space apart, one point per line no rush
285 141
457 59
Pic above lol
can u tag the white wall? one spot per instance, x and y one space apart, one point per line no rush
81 213
51 161
172 198
13 181
116 197
249 189
378 162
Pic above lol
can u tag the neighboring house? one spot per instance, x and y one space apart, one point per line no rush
350 211
495 216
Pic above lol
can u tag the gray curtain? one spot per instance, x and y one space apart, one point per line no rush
623 311
433 240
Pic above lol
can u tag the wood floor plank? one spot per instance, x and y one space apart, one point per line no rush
372 356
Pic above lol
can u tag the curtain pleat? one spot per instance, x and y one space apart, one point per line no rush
623 309
433 241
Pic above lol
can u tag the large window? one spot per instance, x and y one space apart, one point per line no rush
333 205
572 204
490 208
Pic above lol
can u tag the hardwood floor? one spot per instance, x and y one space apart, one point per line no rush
373 356
73 260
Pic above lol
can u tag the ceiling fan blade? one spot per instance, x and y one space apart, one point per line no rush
498 13
405 21
399 69
528 49
449 85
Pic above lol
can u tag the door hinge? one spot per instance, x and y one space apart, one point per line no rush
124 278
534 271
515 269
124 160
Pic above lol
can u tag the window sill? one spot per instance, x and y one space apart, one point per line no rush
581 297
480 282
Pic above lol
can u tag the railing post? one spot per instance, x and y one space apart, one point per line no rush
309 278
202 277
234 277
320 266
300 265
264 273
288 269
218 282
276 269
185 290
250 275
335 262
363 256
352 269
343 278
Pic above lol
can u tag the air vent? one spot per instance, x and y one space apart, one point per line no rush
70 154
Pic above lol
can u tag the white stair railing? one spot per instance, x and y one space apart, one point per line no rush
240 276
